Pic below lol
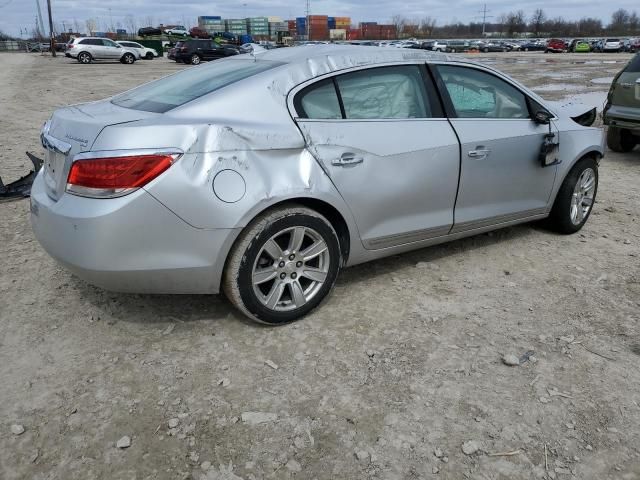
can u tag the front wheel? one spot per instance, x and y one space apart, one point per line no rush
149 56
576 197
283 265
620 140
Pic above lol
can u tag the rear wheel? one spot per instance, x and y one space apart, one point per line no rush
620 139
283 265
195 59
128 58
575 198
84 57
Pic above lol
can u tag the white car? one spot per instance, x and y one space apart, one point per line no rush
177 30
145 52
612 45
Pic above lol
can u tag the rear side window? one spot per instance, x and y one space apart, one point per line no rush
384 93
373 94
91 41
319 101
171 92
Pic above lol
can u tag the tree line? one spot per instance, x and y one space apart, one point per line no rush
518 24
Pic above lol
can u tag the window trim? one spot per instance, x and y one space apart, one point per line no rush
432 96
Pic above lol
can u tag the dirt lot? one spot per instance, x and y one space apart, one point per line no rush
387 381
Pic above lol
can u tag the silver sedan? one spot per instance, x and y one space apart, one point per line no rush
262 176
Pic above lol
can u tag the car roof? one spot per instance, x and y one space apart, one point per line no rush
337 57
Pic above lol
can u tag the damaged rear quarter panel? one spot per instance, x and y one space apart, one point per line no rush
270 176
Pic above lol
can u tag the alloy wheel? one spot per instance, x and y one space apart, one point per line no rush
290 269
583 196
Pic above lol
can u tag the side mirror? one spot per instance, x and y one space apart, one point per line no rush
542 117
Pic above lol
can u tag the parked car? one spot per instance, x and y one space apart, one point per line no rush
144 52
178 30
435 46
196 51
555 45
634 45
458 46
582 47
493 47
513 46
182 185
622 109
534 46
148 31
612 45
197 32
88 49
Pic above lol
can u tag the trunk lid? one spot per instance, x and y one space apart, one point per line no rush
77 127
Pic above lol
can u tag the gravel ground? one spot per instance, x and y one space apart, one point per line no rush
398 376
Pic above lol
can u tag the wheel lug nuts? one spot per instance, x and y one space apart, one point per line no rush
299 264
292 257
294 275
281 265
283 276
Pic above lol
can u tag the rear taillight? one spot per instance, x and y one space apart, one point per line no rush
183 49
112 176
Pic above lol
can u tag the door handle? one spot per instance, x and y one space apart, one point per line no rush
347 159
480 153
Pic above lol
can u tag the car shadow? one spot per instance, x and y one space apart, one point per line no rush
163 309
367 271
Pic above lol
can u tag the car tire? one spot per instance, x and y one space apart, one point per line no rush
574 201
486 50
274 301
128 59
526 49
620 140
149 56
84 58
195 59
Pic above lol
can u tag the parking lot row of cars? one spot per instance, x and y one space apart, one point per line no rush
553 45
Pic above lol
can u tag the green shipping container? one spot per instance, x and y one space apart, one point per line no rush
155 44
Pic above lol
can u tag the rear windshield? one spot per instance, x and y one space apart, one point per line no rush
171 92
609 40
634 64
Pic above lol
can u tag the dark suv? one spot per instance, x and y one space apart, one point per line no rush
622 110
196 51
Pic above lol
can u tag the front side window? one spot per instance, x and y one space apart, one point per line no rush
171 92
384 93
477 94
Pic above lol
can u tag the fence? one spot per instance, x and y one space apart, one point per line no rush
23 46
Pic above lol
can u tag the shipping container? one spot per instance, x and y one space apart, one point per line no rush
338 34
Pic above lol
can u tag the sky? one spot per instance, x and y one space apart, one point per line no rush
17 14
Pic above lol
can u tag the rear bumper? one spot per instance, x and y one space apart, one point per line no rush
129 244
622 117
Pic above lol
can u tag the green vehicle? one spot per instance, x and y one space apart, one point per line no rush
622 110
582 47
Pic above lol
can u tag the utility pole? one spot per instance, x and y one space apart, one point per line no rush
52 35
308 14
484 12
